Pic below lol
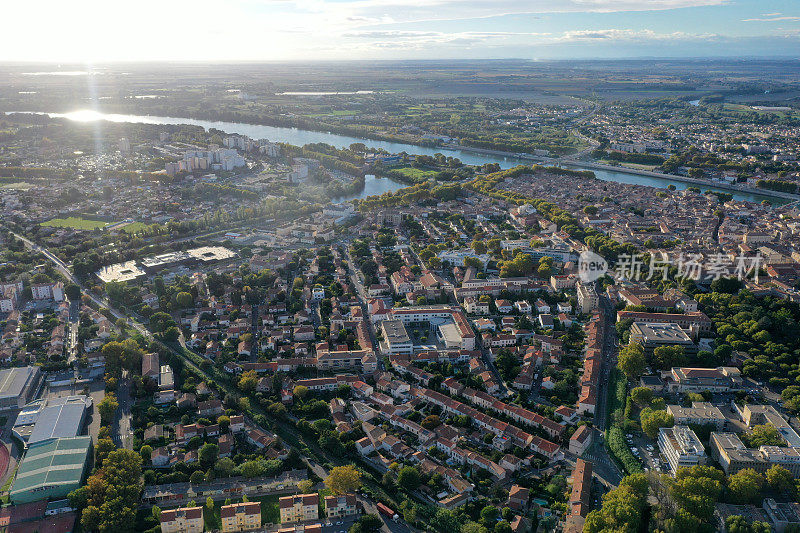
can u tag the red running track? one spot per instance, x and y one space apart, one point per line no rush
4 459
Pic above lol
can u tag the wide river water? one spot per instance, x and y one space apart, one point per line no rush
374 186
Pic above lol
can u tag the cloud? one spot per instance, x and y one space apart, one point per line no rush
630 35
367 40
772 17
405 11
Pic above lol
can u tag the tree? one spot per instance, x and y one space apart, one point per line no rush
666 357
370 522
696 490
300 392
780 479
622 507
479 247
103 448
248 381
277 410
489 516
473 262
502 527
763 435
740 524
73 292
184 300
125 355
146 451
224 467
473 527
631 361
251 469
745 485
208 454
543 271
653 420
343 479
444 521
197 477
430 422
305 486
171 334
408 478
641 396
108 408
113 494
210 503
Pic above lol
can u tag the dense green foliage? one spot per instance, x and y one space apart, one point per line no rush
765 329
615 436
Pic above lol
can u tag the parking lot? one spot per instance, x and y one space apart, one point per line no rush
646 451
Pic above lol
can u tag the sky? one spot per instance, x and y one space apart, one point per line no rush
91 31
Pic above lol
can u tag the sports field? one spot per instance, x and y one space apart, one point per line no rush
75 223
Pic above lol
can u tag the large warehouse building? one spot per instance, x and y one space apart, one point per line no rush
51 469
18 385
52 418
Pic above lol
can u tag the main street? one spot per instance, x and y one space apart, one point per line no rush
603 464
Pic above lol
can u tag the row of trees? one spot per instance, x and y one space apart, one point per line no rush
110 498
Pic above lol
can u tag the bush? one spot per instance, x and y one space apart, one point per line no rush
615 435
615 439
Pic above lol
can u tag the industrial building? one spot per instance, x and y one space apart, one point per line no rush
51 469
52 418
18 385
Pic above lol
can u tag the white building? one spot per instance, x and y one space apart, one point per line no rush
588 300
681 447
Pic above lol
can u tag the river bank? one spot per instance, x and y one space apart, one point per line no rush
592 165
467 155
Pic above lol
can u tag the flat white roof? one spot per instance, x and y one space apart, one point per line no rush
127 271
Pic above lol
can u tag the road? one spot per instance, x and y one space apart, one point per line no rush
124 436
125 431
361 291
604 464
608 362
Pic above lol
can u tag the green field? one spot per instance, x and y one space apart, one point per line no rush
416 173
134 227
75 223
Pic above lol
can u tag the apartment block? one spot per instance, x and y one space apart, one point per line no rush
245 516
299 508
681 447
340 506
588 299
700 413
182 520
733 455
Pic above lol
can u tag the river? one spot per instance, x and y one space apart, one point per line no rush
300 137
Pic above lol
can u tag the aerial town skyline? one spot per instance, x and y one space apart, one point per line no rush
400 266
